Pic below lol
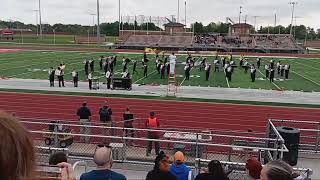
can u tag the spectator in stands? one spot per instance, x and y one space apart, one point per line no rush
253 168
153 123
105 113
180 169
84 114
103 159
128 123
57 158
278 170
161 169
215 171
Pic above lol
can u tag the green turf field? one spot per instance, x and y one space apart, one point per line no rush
304 74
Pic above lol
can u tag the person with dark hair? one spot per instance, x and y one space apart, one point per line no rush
84 114
168 69
152 123
86 67
278 170
271 75
57 158
104 161
286 71
162 70
187 70
267 68
51 73
145 70
90 77
59 74
109 78
208 70
215 172
161 169
253 168
134 67
92 65
114 62
180 169
258 62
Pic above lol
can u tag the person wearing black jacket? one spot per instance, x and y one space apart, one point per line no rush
134 67
101 62
161 169
145 70
253 72
92 65
187 70
86 67
105 113
208 70
84 114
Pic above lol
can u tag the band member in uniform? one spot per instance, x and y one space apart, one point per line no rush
286 71
272 64
208 70
59 74
223 61
172 61
163 70
106 65
125 65
114 62
75 78
278 67
258 62
109 77
158 65
271 75
267 68
126 74
145 70
145 56
246 66
241 62
86 67
216 65
253 72
134 67
187 69
101 62
203 63
51 73
92 65
90 80
168 68
281 70
229 72
165 60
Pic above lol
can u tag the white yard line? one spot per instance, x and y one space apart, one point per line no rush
304 65
145 77
305 77
267 80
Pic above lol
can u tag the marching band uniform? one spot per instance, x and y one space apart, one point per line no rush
258 62
278 67
114 62
75 77
203 63
281 70
266 67
90 80
145 70
286 71
108 76
92 65
51 73
246 67
86 67
229 73
241 62
216 65
223 61
253 72
158 64
134 67
271 75
105 66
208 70
59 74
125 66
168 68
187 70
272 64
101 62
162 69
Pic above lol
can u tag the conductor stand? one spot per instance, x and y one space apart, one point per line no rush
172 85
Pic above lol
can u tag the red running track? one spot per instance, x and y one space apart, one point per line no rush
171 114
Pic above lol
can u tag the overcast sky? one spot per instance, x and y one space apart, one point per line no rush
77 11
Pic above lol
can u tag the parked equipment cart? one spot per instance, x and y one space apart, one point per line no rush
62 140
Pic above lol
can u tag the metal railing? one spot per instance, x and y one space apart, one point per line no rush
237 170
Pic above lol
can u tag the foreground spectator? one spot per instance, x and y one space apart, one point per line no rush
253 168
84 114
161 169
57 158
103 159
278 170
180 169
215 172
17 155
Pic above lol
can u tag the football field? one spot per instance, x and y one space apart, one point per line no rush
304 73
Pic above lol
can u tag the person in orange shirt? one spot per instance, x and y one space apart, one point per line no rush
152 123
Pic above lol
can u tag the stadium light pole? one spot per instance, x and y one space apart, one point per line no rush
40 24
240 14
98 22
292 15
92 14
178 18
36 11
185 13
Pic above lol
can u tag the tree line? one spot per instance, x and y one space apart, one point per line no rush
112 29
